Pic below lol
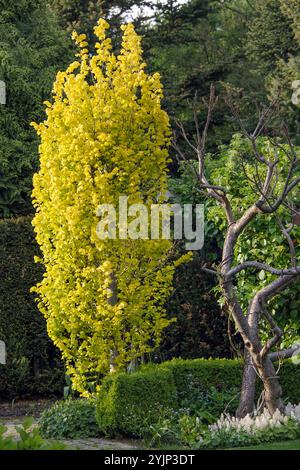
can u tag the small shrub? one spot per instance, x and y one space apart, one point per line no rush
69 419
211 401
28 439
178 428
129 404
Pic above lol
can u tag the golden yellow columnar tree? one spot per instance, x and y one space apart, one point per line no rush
105 135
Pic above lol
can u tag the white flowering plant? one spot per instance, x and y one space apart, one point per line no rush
192 432
229 431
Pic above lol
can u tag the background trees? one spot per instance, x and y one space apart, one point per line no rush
32 49
82 15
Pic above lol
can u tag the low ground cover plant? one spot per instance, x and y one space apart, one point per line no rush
71 418
28 439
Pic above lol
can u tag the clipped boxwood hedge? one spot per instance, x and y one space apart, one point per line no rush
290 381
129 403
33 365
223 374
226 374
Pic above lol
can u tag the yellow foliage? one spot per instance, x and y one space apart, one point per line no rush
105 135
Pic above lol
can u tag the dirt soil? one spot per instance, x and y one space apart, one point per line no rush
26 407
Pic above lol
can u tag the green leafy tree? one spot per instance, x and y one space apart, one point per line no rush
31 49
194 44
258 240
256 191
290 8
273 47
280 82
82 15
270 36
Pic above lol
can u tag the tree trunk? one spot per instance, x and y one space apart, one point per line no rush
112 300
246 405
272 388
271 384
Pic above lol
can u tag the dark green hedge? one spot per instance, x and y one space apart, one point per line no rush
130 403
219 373
201 327
290 381
224 374
33 363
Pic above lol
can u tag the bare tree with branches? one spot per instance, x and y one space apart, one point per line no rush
259 355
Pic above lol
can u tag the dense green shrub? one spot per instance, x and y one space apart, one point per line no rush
201 328
69 419
206 385
33 363
130 403
225 376
290 381
202 375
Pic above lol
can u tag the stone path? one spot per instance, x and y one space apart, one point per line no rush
76 444
98 444
11 425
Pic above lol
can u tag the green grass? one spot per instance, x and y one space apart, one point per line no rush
286 445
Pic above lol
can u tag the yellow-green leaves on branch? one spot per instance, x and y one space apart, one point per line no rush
105 135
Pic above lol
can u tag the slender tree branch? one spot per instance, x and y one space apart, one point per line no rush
284 353
264 267
275 287
278 333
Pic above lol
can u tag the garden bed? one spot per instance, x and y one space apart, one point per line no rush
24 407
